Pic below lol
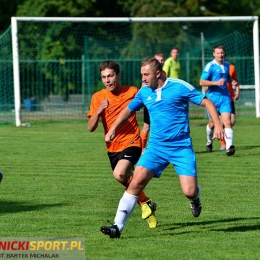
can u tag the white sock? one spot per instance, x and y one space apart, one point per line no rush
125 208
228 137
209 134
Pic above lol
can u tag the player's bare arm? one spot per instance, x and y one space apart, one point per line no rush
123 116
235 85
219 132
208 83
93 121
206 88
236 97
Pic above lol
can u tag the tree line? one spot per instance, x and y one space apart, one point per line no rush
124 8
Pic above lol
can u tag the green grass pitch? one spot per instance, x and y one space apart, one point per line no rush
58 183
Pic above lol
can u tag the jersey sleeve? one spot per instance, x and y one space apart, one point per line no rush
95 102
233 72
206 74
137 103
192 94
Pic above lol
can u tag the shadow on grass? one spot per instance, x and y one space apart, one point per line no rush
240 148
248 147
14 207
230 225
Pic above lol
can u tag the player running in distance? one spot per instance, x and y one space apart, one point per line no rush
215 77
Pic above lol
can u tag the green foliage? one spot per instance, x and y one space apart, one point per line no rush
58 183
123 8
186 8
55 8
58 43
7 10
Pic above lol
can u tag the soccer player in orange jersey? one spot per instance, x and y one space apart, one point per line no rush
146 126
125 150
234 96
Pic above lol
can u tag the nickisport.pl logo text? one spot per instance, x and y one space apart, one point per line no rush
41 245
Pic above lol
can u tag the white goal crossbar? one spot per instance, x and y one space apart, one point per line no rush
15 43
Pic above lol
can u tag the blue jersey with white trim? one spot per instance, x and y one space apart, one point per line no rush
214 72
168 108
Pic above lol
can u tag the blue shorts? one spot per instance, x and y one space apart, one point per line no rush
156 159
222 103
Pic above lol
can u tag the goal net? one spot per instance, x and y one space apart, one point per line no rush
53 70
6 79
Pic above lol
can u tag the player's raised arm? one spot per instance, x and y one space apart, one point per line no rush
123 116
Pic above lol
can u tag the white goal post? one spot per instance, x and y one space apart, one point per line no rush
15 44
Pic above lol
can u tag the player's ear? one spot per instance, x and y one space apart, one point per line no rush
158 74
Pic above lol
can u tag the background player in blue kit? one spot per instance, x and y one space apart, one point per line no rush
167 101
215 77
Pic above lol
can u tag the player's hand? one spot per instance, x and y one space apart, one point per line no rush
219 133
109 136
236 97
234 83
103 105
220 82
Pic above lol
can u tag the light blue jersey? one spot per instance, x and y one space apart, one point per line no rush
168 109
214 72
169 140
219 95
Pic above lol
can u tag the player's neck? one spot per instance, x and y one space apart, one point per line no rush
219 62
161 82
118 89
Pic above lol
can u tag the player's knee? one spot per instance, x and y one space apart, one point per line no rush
122 177
146 128
141 177
190 191
211 125
136 186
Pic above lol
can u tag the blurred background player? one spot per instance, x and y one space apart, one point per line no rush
160 57
146 126
234 96
215 77
172 66
125 150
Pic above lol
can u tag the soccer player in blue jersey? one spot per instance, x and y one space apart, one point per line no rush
146 126
167 101
215 77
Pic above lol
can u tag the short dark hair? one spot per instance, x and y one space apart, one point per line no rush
219 47
110 64
175 48
159 54
154 63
